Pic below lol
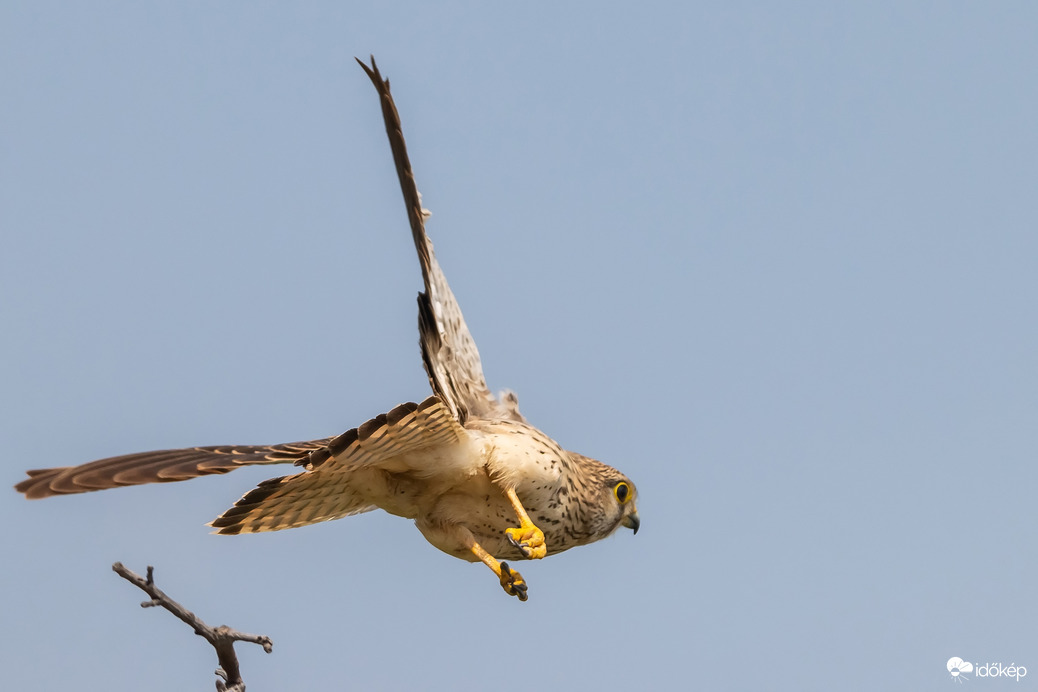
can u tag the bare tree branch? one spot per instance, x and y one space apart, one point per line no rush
222 638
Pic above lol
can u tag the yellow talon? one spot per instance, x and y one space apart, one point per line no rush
529 539
512 582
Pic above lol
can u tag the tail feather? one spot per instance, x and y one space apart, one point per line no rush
292 501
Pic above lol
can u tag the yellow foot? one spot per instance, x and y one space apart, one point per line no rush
512 582
529 539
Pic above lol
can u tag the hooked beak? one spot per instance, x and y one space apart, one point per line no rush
632 521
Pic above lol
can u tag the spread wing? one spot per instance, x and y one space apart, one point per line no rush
330 489
160 467
448 350
319 490
451 361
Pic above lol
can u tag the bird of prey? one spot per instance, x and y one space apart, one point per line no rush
479 481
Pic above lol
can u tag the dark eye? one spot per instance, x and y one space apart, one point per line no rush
622 492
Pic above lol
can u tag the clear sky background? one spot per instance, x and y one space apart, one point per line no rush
778 263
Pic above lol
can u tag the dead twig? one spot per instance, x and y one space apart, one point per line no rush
222 638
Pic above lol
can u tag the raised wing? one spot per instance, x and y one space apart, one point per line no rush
448 350
160 467
330 489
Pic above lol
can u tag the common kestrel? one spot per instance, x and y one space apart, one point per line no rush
463 464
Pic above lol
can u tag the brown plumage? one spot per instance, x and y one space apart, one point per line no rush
463 464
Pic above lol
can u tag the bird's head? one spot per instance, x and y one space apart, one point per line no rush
614 498
624 494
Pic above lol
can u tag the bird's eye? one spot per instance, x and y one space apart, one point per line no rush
622 492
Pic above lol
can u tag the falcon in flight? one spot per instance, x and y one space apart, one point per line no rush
479 481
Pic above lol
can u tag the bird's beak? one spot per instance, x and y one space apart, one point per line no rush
632 521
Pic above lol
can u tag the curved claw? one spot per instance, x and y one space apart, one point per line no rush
529 540
512 582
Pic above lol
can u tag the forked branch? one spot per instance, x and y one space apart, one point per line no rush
222 638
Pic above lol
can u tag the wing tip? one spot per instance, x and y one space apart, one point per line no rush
373 72
38 485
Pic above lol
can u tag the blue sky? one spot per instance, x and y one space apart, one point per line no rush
776 263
